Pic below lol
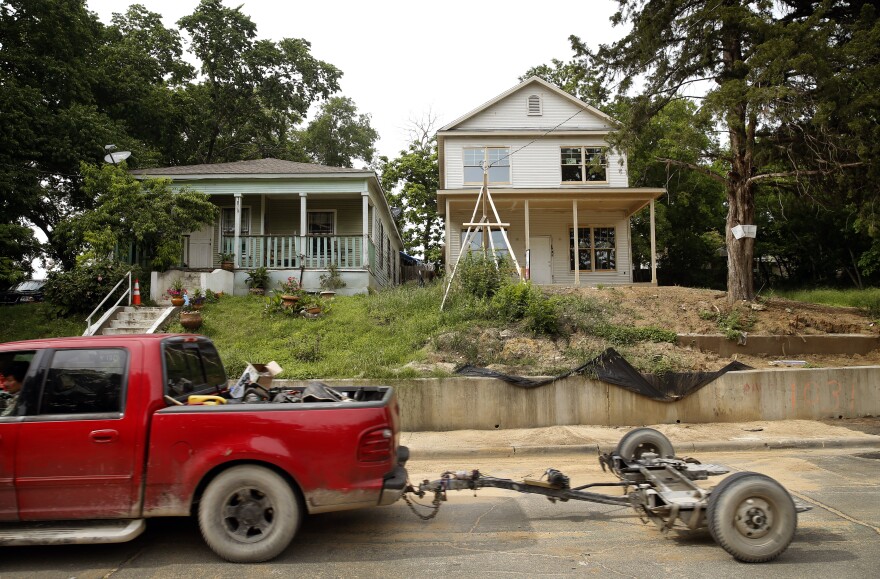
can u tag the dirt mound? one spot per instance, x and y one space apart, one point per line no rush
679 309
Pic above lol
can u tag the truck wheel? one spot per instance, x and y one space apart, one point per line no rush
752 517
641 440
248 514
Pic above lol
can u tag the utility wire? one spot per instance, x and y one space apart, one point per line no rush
536 139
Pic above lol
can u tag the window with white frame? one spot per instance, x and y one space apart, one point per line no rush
583 164
227 221
321 223
476 243
597 248
497 159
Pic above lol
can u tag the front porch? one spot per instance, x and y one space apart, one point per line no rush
294 252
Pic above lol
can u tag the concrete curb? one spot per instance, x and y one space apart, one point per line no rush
681 449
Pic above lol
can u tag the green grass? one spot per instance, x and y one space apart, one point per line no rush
369 336
864 299
30 321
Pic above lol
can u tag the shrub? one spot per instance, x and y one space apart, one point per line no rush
258 278
512 301
81 289
543 316
482 276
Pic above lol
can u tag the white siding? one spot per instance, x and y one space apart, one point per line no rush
512 113
532 164
556 224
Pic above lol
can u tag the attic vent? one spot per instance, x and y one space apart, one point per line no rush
535 104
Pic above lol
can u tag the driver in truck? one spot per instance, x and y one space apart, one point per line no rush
13 377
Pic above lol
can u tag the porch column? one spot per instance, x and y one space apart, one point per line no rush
263 244
577 244
303 227
236 247
528 243
365 229
653 248
447 247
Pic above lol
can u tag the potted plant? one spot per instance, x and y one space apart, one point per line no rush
190 318
197 300
312 305
257 280
227 261
290 292
175 291
331 281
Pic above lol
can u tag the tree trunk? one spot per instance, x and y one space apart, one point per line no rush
740 252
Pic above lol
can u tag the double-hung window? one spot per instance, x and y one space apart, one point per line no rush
583 165
476 242
597 248
227 226
496 158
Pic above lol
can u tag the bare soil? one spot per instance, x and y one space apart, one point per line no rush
679 309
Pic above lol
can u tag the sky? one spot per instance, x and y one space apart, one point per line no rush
404 60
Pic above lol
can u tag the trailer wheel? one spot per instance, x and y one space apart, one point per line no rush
248 514
752 517
641 440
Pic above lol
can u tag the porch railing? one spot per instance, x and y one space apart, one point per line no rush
287 252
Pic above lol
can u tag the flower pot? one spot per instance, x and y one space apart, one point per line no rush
191 320
256 291
227 265
177 302
328 294
314 310
289 301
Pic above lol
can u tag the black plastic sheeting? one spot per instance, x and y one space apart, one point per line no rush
611 367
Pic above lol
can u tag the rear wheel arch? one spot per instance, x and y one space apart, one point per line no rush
220 468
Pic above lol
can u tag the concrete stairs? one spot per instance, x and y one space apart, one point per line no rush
132 320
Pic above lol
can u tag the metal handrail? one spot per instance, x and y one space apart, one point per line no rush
110 293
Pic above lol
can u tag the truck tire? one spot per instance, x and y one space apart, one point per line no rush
249 514
752 517
641 440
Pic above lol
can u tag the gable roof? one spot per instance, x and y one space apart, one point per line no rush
529 81
255 167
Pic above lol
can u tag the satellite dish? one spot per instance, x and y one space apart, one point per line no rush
117 156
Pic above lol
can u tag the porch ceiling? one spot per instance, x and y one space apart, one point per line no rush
627 199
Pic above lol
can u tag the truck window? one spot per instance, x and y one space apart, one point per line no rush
192 368
85 381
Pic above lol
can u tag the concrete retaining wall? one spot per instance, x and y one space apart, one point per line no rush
847 344
487 404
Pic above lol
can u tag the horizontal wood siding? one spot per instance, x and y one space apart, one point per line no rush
511 113
532 164
248 187
556 224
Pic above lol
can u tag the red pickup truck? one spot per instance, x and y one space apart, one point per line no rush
96 442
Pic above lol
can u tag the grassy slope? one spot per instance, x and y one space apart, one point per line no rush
30 321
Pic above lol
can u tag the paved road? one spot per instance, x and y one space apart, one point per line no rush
505 534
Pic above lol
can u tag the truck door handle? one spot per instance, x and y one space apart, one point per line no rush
108 435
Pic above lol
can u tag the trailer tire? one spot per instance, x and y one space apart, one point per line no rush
752 517
641 440
249 514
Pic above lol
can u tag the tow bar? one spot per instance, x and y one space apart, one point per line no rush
749 514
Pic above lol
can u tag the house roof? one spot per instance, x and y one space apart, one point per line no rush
529 81
255 167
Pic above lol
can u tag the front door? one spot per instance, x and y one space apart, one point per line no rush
77 450
201 249
540 258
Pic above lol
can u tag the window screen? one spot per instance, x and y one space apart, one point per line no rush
84 382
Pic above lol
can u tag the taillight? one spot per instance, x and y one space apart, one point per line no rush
376 445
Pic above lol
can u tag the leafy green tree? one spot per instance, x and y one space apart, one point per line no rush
252 92
765 67
147 215
411 181
338 135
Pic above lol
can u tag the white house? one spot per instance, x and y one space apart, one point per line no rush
553 178
296 219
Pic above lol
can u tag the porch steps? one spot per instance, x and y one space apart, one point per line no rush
131 320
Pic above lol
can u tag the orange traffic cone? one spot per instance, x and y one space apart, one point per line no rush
136 294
